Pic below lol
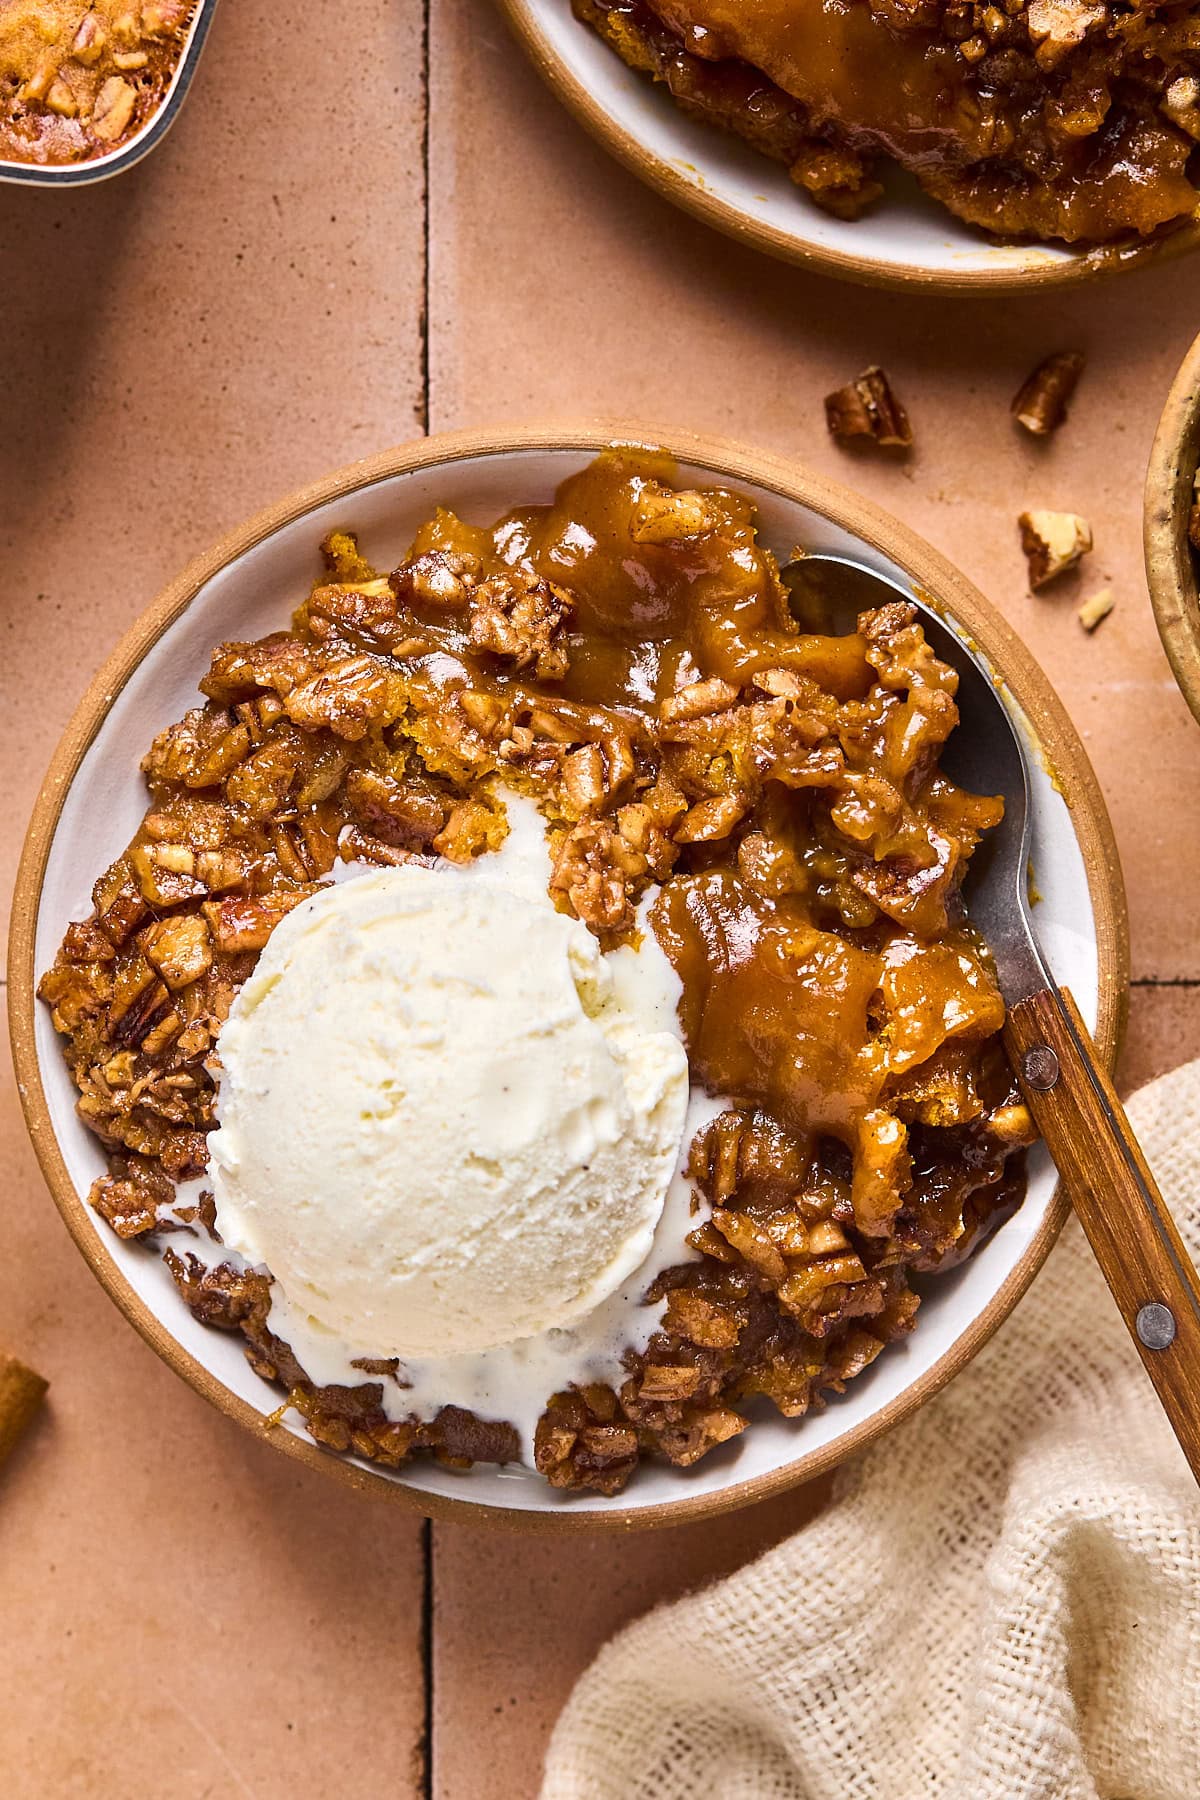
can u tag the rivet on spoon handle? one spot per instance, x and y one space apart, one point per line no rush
1155 1326
1039 1067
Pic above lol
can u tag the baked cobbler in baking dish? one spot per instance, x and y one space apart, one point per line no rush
77 81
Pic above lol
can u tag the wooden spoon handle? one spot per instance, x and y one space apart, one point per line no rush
1116 1200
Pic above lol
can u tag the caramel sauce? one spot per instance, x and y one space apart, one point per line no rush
646 617
815 984
1076 121
903 90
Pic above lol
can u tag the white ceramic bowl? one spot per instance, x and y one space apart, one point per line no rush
93 800
906 241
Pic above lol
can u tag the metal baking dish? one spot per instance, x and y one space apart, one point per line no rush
99 168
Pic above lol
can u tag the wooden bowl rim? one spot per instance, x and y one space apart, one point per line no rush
1170 567
728 461
1091 265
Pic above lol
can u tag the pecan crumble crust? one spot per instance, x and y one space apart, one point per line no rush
625 655
76 81
1068 120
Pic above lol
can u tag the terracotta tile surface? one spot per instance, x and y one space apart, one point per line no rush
185 1613
644 313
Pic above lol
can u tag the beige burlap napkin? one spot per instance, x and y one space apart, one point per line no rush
1004 1603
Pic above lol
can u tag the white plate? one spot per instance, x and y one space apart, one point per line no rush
906 240
248 587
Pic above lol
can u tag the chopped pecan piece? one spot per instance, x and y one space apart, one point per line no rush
1181 104
199 752
76 992
179 948
119 905
1095 610
260 785
113 109
362 616
867 408
700 1431
666 1384
1057 26
396 811
521 619
128 1205
710 820
665 515
165 873
348 697
1053 542
701 1321
647 823
239 671
245 922
437 578
1041 404
594 871
583 789
701 697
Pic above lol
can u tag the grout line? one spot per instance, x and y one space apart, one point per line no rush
1165 981
423 327
427 1544
427 1657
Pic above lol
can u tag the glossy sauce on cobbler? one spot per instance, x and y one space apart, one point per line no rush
1069 120
782 956
766 799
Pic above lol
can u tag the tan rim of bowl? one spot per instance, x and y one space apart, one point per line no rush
699 200
728 462
1171 569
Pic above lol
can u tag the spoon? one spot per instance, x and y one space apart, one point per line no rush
1069 1094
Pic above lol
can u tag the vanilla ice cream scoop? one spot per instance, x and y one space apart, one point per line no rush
444 1126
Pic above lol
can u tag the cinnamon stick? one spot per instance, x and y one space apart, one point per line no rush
21 1393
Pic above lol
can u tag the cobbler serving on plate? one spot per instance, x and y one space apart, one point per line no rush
538 1009
1057 120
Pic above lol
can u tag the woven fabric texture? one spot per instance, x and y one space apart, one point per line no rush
1003 1603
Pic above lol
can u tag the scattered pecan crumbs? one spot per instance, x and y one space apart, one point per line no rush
1053 542
1041 405
868 408
1096 609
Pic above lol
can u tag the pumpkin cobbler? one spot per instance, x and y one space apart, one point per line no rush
1075 121
537 1010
